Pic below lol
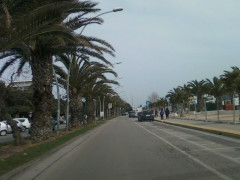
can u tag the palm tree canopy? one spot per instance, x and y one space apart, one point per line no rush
215 87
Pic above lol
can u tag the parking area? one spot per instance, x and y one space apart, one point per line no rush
9 137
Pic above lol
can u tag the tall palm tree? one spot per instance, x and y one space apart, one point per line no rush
83 76
177 97
198 88
217 89
98 88
37 48
231 80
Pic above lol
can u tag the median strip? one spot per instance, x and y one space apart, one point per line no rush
225 132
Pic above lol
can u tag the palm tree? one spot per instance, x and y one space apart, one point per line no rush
38 47
217 89
83 76
198 88
231 80
177 97
98 85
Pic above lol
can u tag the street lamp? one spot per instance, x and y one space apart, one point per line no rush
117 63
67 119
114 10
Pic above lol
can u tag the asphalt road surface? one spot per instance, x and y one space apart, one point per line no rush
124 148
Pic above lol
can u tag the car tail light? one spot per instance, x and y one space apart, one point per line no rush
142 115
152 114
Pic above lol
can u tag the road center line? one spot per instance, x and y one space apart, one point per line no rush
189 156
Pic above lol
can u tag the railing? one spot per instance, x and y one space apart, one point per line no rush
221 115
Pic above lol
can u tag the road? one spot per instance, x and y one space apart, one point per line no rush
126 149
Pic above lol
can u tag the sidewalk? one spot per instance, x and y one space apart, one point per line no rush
232 130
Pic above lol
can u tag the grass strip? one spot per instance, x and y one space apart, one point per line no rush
31 153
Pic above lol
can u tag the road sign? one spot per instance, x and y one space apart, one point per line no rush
109 105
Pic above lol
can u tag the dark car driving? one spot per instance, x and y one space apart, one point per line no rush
146 115
132 114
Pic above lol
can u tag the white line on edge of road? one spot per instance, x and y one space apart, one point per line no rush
189 156
203 147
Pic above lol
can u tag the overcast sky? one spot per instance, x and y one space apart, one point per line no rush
163 44
166 43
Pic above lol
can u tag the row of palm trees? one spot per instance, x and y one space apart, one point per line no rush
228 84
38 34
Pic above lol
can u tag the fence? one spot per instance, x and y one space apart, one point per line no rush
221 115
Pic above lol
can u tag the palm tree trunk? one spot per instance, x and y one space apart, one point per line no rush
42 96
76 109
18 139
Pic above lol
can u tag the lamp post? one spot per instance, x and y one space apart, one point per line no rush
67 119
114 10
99 107
67 114
103 106
94 100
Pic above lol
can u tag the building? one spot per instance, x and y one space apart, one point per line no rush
20 85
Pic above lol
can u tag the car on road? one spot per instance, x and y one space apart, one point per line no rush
132 114
124 114
25 122
146 115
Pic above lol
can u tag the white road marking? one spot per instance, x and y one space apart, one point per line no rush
216 149
203 147
189 156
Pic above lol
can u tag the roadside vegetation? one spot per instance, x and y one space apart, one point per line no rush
45 37
12 156
224 89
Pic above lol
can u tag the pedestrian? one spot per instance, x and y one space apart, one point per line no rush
161 113
156 113
167 113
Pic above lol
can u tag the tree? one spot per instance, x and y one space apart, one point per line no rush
154 97
217 89
178 96
84 75
4 92
231 81
37 48
198 88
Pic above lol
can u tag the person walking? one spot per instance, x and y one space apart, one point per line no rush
167 113
161 113
156 113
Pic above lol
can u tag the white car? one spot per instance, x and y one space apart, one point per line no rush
25 122
20 126
4 128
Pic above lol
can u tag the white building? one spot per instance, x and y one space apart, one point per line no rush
22 85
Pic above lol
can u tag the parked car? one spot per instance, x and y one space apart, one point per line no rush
25 122
20 126
146 115
9 129
3 129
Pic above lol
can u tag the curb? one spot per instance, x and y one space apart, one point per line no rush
225 132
